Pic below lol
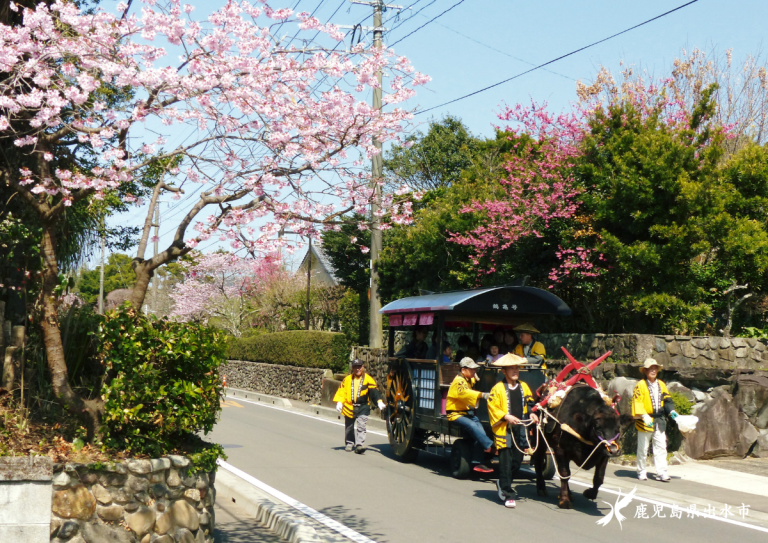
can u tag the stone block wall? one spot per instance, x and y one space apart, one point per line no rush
137 501
678 353
294 383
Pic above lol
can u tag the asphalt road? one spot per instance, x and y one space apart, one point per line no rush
388 501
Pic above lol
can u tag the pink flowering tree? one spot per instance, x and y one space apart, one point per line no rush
269 134
539 188
224 289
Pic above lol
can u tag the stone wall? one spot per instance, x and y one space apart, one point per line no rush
137 501
712 359
294 383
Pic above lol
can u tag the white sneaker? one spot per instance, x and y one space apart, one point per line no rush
510 504
664 478
642 476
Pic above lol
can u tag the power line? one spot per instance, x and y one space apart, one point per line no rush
556 59
425 24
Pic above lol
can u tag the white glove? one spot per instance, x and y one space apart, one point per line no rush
339 406
382 405
648 420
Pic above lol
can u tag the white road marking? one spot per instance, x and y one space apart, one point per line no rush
573 481
337 423
305 509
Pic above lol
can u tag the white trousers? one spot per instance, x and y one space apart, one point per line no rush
659 439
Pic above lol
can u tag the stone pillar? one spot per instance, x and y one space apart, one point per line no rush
25 499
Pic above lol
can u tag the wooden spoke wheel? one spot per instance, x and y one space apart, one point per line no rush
400 411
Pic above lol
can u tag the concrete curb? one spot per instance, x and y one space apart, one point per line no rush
277 516
258 397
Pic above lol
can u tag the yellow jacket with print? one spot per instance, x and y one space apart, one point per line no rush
498 406
536 355
352 393
642 405
461 397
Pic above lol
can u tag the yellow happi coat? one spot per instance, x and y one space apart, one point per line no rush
537 349
352 392
642 404
461 398
498 407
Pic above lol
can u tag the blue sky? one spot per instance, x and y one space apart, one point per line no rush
514 33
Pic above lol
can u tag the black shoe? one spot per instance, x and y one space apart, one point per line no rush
359 449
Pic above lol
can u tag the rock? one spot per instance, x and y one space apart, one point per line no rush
184 536
699 395
749 435
624 387
761 447
738 342
61 480
200 537
741 352
160 464
142 521
718 430
193 494
136 484
184 515
158 491
759 346
205 518
102 533
146 539
673 348
686 392
178 461
751 341
661 345
751 394
87 476
173 478
55 525
699 343
120 495
112 479
101 494
713 342
76 502
131 507
68 529
688 350
111 513
164 523
761 420
141 467
164 539
202 481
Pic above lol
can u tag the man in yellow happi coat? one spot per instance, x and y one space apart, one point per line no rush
650 402
533 351
352 402
509 407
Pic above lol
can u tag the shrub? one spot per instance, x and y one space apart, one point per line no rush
164 386
303 348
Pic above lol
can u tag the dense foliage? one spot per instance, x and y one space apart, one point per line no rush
303 348
164 385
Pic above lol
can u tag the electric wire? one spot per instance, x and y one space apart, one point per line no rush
425 24
555 59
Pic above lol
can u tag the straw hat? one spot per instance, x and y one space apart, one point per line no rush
526 327
509 360
649 362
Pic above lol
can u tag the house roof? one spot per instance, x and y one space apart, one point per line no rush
323 259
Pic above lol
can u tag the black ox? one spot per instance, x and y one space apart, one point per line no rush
598 425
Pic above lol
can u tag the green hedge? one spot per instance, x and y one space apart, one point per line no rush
304 348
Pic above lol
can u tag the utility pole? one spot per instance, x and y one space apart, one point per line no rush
377 171
309 279
155 278
101 272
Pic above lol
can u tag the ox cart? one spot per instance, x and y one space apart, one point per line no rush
416 388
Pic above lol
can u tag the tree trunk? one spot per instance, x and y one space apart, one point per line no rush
89 411
139 292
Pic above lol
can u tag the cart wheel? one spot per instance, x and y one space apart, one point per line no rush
549 468
400 411
461 458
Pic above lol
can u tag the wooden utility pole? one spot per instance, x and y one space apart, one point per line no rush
155 278
101 272
377 167
309 281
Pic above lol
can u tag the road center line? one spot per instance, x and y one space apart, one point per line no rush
305 509
573 481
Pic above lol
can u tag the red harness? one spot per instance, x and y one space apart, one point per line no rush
583 373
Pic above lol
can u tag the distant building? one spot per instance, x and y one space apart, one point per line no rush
321 268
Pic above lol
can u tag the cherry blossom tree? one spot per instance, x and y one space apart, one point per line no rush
224 287
269 132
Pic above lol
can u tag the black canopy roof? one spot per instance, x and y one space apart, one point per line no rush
493 301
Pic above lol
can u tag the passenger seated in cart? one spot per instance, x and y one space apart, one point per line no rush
509 405
447 355
498 337
533 351
485 345
463 344
510 342
417 348
461 404
494 354
473 352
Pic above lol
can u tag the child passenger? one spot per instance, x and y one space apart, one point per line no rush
509 405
